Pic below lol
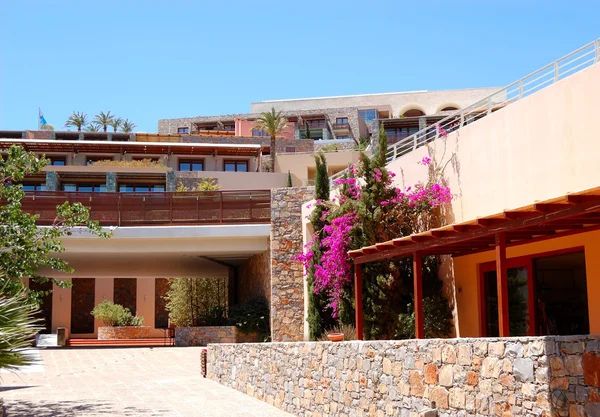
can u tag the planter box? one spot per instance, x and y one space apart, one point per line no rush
127 332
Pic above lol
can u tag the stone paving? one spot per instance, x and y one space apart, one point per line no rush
160 381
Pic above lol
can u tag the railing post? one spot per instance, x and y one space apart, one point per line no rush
556 70
171 195
489 109
395 153
462 118
415 141
197 207
220 206
597 43
520 88
119 206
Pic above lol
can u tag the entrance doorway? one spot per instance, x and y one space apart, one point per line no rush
82 303
45 312
547 295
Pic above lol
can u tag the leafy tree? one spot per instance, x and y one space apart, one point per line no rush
103 120
128 126
93 127
27 248
116 123
289 179
197 301
78 120
274 124
306 130
318 318
47 126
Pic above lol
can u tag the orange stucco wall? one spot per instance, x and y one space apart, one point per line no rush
467 282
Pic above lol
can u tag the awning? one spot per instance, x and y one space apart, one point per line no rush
576 212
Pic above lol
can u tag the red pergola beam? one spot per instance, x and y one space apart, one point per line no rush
358 302
418 295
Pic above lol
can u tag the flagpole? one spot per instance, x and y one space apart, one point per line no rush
39 112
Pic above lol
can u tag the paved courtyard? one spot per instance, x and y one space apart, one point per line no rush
123 382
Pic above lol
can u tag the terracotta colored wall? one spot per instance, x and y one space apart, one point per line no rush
467 282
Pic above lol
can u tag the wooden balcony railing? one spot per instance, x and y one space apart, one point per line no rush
317 124
157 208
341 126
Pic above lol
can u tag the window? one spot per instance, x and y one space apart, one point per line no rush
342 137
141 188
183 130
191 165
58 160
368 115
236 166
34 187
85 188
89 160
229 128
259 133
449 108
341 121
413 113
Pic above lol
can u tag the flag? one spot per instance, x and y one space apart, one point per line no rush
41 116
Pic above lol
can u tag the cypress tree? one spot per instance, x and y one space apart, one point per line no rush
289 182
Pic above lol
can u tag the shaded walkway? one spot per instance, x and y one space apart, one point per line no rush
124 382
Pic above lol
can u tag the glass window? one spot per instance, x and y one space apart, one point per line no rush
85 188
341 120
183 130
34 187
342 137
141 188
259 133
191 165
236 166
57 160
368 115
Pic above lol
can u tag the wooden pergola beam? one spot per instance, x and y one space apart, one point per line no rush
502 283
358 311
418 295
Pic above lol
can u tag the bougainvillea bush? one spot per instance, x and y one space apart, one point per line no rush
369 209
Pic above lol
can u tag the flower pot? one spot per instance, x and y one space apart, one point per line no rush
335 337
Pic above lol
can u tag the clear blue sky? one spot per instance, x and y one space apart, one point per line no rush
161 59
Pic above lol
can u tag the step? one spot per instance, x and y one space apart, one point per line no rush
118 342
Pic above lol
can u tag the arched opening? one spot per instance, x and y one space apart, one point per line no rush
449 108
413 113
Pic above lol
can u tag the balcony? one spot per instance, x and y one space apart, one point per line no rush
341 126
312 124
157 208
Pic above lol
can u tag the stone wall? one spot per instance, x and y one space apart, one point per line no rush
254 278
202 336
534 376
287 280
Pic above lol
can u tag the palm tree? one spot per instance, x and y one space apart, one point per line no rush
104 119
77 119
273 123
127 126
116 123
93 127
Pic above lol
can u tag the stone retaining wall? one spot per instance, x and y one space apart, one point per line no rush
535 376
202 336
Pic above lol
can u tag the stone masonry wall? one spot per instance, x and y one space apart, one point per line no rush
534 376
202 336
254 278
287 281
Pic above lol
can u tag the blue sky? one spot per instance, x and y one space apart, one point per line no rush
161 59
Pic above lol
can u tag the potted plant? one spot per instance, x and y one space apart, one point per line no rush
118 322
339 333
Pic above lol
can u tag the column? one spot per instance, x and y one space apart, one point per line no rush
358 301
502 282
418 295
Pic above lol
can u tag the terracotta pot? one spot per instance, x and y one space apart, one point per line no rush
335 337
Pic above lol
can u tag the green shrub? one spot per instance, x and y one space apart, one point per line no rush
198 301
251 316
111 314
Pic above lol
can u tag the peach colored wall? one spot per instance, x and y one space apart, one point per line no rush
538 148
245 181
467 282
299 164
245 128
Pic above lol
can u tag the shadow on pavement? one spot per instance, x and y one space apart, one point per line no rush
22 408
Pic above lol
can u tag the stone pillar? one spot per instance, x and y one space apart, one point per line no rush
326 134
171 181
111 182
51 181
422 123
287 280
81 136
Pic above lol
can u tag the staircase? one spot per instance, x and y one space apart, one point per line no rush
571 63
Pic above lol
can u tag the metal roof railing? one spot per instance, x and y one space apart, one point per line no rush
569 64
